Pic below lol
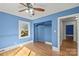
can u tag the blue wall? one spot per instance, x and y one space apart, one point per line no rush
48 33
40 33
9 30
54 19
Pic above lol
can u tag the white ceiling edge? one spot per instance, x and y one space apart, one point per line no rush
41 14
18 15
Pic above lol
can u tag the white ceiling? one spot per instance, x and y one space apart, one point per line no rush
50 8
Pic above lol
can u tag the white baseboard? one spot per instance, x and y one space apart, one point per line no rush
55 49
15 46
48 43
25 43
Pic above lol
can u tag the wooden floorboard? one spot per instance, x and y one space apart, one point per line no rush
40 48
68 48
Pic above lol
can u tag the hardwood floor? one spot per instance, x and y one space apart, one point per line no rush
40 48
68 48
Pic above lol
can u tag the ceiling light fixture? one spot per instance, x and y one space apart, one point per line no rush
30 11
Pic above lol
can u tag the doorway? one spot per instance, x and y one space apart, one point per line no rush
67 35
69 32
43 32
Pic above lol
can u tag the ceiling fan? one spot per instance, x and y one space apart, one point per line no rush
29 8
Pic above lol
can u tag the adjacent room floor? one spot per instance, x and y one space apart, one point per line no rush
69 48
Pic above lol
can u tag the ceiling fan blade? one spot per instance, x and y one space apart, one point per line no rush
23 4
39 9
22 10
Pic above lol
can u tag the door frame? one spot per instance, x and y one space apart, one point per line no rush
59 21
